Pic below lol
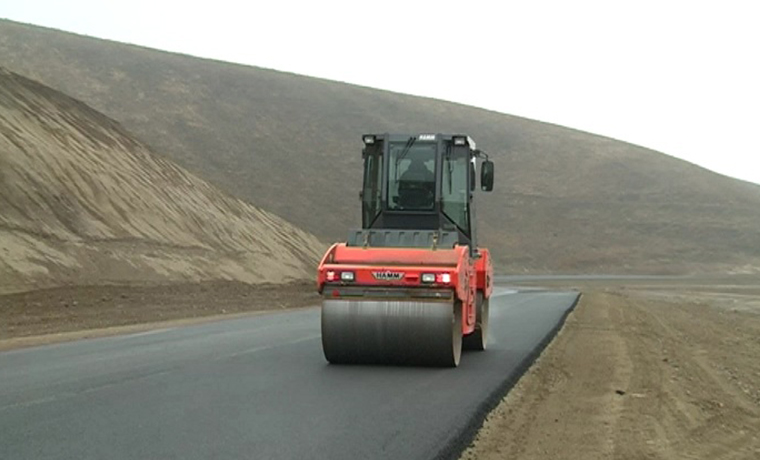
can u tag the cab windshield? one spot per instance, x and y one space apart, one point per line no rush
411 178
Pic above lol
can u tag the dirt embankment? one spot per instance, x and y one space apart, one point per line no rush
84 202
645 373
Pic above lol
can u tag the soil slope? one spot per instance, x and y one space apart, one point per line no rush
565 201
82 201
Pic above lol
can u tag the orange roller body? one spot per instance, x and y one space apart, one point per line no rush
410 287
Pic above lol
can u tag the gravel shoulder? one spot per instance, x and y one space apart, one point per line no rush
69 313
642 371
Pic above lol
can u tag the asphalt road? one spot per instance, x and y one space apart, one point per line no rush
257 388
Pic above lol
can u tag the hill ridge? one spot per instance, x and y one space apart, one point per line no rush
291 144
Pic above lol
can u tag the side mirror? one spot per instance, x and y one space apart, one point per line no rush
486 176
472 176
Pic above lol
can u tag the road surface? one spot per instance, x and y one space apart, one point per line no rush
258 387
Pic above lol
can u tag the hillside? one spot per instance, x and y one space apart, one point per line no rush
83 202
565 201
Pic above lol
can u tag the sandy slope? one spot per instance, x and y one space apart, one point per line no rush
81 200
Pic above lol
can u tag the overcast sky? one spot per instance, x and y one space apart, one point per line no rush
680 77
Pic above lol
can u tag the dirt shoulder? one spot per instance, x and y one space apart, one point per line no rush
645 372
66 313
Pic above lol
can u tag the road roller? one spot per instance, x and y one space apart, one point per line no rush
411 286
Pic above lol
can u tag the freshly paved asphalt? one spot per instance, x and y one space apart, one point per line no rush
258 388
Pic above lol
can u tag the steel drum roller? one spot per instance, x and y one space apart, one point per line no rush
408 332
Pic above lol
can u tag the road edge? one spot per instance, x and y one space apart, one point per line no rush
456 446
54 338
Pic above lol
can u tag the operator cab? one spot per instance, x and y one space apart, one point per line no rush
421 182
